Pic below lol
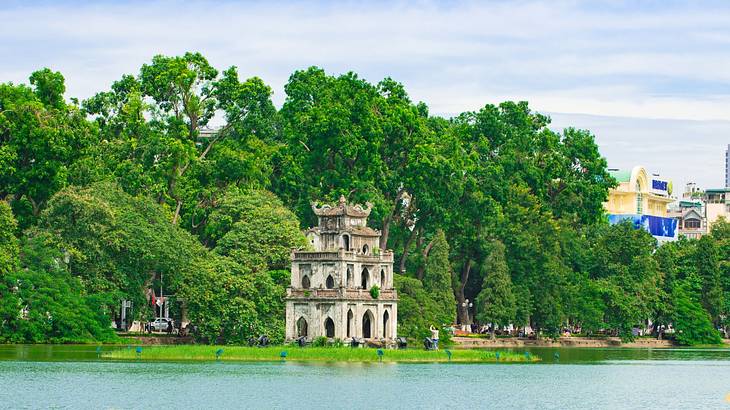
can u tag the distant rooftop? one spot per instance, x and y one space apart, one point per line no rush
717 190
620 175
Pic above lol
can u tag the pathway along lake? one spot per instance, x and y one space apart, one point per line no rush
72 377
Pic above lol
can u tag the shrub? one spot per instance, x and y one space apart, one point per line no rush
375 292
320 342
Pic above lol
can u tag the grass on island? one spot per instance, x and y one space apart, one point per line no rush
312 354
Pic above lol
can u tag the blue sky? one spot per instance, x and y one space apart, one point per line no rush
652 80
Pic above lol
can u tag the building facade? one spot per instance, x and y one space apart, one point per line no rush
717 205
642 198
690 216
330 293
727 167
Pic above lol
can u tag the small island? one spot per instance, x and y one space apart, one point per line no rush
202 353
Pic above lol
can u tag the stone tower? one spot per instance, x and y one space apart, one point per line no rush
330 287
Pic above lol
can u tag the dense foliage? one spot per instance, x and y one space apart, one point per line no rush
185 177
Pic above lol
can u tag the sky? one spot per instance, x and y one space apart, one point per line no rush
650 79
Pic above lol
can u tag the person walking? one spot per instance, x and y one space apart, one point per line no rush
169 327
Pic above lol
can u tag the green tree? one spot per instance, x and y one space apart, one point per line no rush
254 228
41 302
416 310
40 138
8 241
152 124
708 269
230 302
692 323
496 303
437 280
49 87
118 243
627 276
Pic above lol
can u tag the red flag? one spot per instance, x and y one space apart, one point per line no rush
152 298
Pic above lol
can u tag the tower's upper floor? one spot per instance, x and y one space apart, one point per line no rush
343 226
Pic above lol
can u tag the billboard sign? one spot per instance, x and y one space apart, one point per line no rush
660 187
661 228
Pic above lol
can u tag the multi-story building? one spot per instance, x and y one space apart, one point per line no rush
642 198
692 192
331 292
727 167
717 205
690 216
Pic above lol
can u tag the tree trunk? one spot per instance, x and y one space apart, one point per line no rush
385 232
177 212
406 249
462 311
494 331
424 254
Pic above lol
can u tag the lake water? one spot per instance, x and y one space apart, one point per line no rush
72 377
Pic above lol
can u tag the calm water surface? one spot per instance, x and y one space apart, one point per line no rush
72 377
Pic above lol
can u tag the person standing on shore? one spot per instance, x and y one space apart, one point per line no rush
435 337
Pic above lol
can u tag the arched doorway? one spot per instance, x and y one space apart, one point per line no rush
305 282
367 325
350 323
329 327
302 327
364 278
330 282
386 331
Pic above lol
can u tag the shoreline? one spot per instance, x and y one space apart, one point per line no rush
462 342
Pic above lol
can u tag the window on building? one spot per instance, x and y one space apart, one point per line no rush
364 278
367 325
386 331
329 327
639 199
365 249
346 242
692 223
350 323
305 282
330 283
302 327
382 278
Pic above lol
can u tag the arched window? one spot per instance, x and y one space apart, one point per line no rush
350 279
367 325
346 242
639 198
301 327
350 322
386 331
329 327
305 282
365 249
364 278
382 278
330 282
